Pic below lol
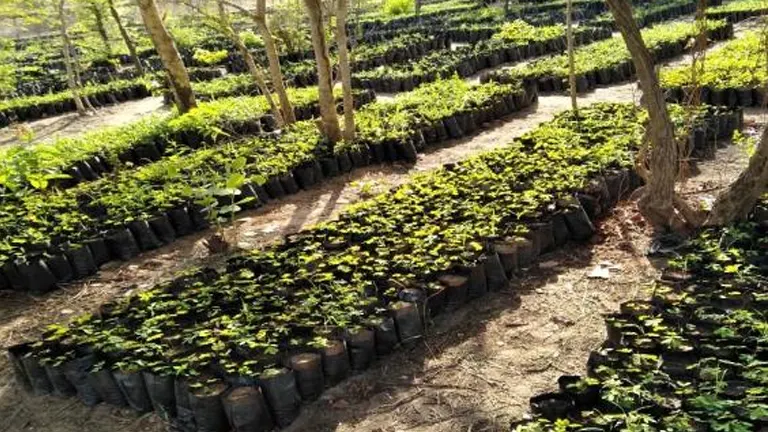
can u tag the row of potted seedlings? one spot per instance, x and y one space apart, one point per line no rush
69 161
468 60
36 107
691 358
608 62
304 73
655 12
734 75
429 14
738 10
242 348
74 231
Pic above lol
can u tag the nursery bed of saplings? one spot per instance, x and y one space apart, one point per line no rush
692 358
738 10
734 74
608 61
36 66
243 347
489 21
378 21
404 48
60 235
515 41
69 161
651 13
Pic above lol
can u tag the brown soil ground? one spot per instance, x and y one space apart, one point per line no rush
72 124
479 366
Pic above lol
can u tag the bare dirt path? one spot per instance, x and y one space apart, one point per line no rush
72 124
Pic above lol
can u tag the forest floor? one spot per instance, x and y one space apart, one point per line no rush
477 368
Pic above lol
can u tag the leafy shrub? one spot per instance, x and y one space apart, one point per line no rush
210 57
398 7
251 39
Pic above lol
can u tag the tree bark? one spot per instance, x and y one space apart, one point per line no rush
657 202
166 48
274 62
345 70
101 29
329 118
571 57
67 47
126 37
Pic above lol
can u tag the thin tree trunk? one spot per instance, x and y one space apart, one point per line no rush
329 118
100 27
255 70
657 202
170 56
274 62
126 38
71 78
79 79
278 83
699 52
346 73
258 76
571 57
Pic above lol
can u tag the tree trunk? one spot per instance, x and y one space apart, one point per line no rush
101 29
698 53
346 72
258 76
255 70
126 38
329 118
77 67
274 62
571 57
417 7
166 48
67 47
657 202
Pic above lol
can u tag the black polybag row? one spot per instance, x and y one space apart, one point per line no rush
475 62
154 149
622 72
274 398
42 271
40 274
730 97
